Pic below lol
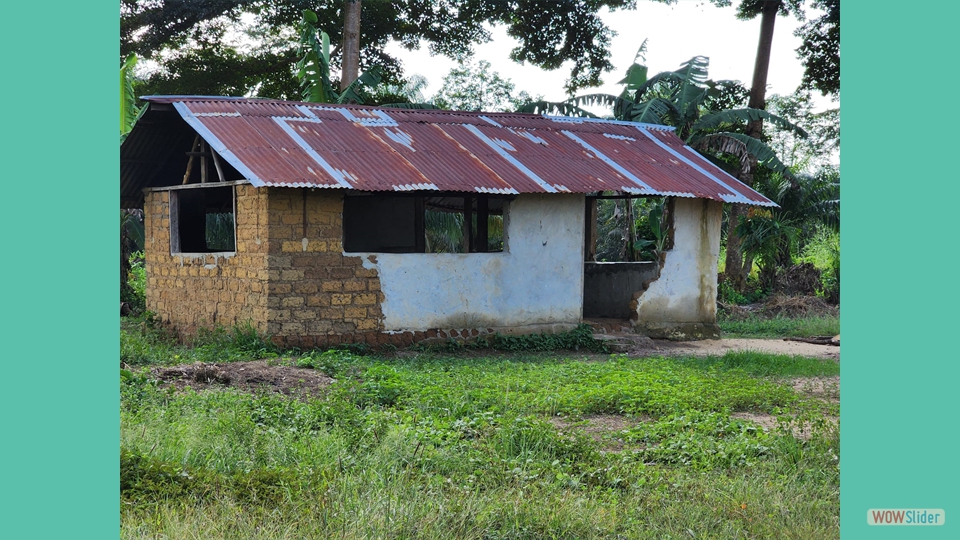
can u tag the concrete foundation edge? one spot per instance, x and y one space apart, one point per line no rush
680 331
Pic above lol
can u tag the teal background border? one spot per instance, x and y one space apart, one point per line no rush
59 214
899 190
60 400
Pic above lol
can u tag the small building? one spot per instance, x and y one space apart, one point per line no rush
323 224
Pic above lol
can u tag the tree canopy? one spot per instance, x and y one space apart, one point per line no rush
187 38
472 87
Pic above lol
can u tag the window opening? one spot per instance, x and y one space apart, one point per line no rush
417 224
202 220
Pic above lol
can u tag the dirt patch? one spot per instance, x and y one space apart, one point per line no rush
598 427
823 388
769 422
252 376
643 346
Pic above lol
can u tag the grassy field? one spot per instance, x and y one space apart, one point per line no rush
477 446
778 327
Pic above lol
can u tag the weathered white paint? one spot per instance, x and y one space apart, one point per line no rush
685 295
536 280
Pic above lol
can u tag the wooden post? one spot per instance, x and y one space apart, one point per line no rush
216 163
483 233
468 224
203 162
590 233
193 149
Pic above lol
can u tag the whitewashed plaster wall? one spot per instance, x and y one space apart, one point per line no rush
537 280
682 303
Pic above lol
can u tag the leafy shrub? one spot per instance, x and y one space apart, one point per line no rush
704 440
333 363
579 338
135 294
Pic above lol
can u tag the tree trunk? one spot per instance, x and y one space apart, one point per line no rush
733 272
350 68
758 92
736 272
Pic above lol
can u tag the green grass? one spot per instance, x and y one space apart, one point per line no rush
778 327
442 446
144 342
766 365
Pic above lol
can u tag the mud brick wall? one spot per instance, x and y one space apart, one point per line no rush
208 290
289 276
316 295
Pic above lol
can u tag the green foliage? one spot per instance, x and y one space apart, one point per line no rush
729 295
313 68
766 365
144 342
243 47
135 295
440 447
619 220
334 363
820 50
129 111
702 440
471 87
823 251
574 340
755 326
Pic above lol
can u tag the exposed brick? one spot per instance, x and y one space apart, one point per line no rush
355 312
332 286
341 273
341 299
354 285
291 275
305 287
292 301
366 299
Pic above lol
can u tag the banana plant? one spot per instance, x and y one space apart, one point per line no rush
684 99
313 68
129 112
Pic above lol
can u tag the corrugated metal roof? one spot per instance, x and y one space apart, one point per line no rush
293 144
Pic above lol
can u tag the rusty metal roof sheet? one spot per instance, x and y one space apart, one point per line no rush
293 144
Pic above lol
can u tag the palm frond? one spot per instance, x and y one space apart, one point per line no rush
742 147
731 116
313 68
656 111
409 106
555 108
637 72
129 112
354 92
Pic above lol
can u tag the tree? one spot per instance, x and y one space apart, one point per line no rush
473 87
313 69
175 31
814 58
131 226
820 51
351 43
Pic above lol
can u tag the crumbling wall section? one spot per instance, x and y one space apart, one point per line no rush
188 292
682 302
